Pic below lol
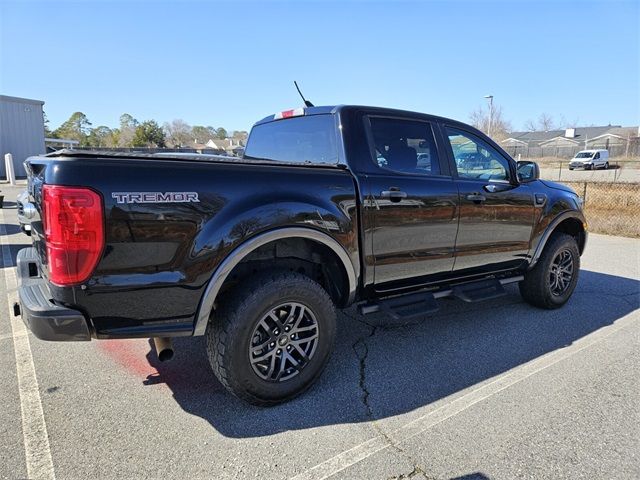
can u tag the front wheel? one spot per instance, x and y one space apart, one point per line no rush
551 282
272 337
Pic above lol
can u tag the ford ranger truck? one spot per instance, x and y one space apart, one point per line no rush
328 207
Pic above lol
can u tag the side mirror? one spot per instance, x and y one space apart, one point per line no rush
528 171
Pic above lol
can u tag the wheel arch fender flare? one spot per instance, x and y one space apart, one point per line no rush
552 228
236 256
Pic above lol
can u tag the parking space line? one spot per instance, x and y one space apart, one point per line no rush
34 429
455 406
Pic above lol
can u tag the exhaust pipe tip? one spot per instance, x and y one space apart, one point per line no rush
164 348
165 355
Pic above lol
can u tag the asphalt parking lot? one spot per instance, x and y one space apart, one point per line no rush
483 391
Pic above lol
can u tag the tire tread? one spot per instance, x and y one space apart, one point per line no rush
228 317
534 288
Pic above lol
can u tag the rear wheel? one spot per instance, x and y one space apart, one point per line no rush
272 337
552 281
606 166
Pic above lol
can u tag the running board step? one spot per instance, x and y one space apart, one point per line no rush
420 303
406 307
478 291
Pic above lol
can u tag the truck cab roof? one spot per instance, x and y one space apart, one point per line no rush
332 109
296 112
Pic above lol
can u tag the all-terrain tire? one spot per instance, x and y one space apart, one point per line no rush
536 288
232 328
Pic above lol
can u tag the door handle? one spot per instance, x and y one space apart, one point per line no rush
393 194
476 197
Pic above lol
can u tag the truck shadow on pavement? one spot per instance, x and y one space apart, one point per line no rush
15 248
381 368
11 228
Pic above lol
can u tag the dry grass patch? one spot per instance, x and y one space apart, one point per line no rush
611 208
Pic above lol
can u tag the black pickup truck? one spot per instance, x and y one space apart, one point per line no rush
329 207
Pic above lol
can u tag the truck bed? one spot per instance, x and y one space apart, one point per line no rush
167 251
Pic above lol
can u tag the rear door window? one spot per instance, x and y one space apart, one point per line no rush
405 146
306 139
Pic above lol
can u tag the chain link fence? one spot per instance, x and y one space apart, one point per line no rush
630 148
624 161
620 170
610 208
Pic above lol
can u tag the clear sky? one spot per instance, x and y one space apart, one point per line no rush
230 64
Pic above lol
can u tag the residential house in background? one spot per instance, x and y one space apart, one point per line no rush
228 146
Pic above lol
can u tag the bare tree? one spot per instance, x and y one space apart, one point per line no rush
564 123
530 126
178 133
240 135
545 122
491 122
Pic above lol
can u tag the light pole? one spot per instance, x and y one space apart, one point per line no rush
490 98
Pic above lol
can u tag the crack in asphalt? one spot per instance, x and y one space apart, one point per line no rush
361 349
413 473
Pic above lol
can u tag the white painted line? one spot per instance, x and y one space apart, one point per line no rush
34 429
457 405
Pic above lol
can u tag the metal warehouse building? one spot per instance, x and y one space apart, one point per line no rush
21 131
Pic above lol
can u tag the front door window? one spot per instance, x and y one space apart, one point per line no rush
475 159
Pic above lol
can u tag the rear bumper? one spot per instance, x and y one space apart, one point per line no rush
44 318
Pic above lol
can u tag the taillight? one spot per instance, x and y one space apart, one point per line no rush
74 232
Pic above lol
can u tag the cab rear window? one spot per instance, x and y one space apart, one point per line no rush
308 139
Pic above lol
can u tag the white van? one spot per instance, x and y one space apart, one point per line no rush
590 159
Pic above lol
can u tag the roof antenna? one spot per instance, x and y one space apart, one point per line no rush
306 102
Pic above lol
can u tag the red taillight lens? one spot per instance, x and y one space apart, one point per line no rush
74 232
